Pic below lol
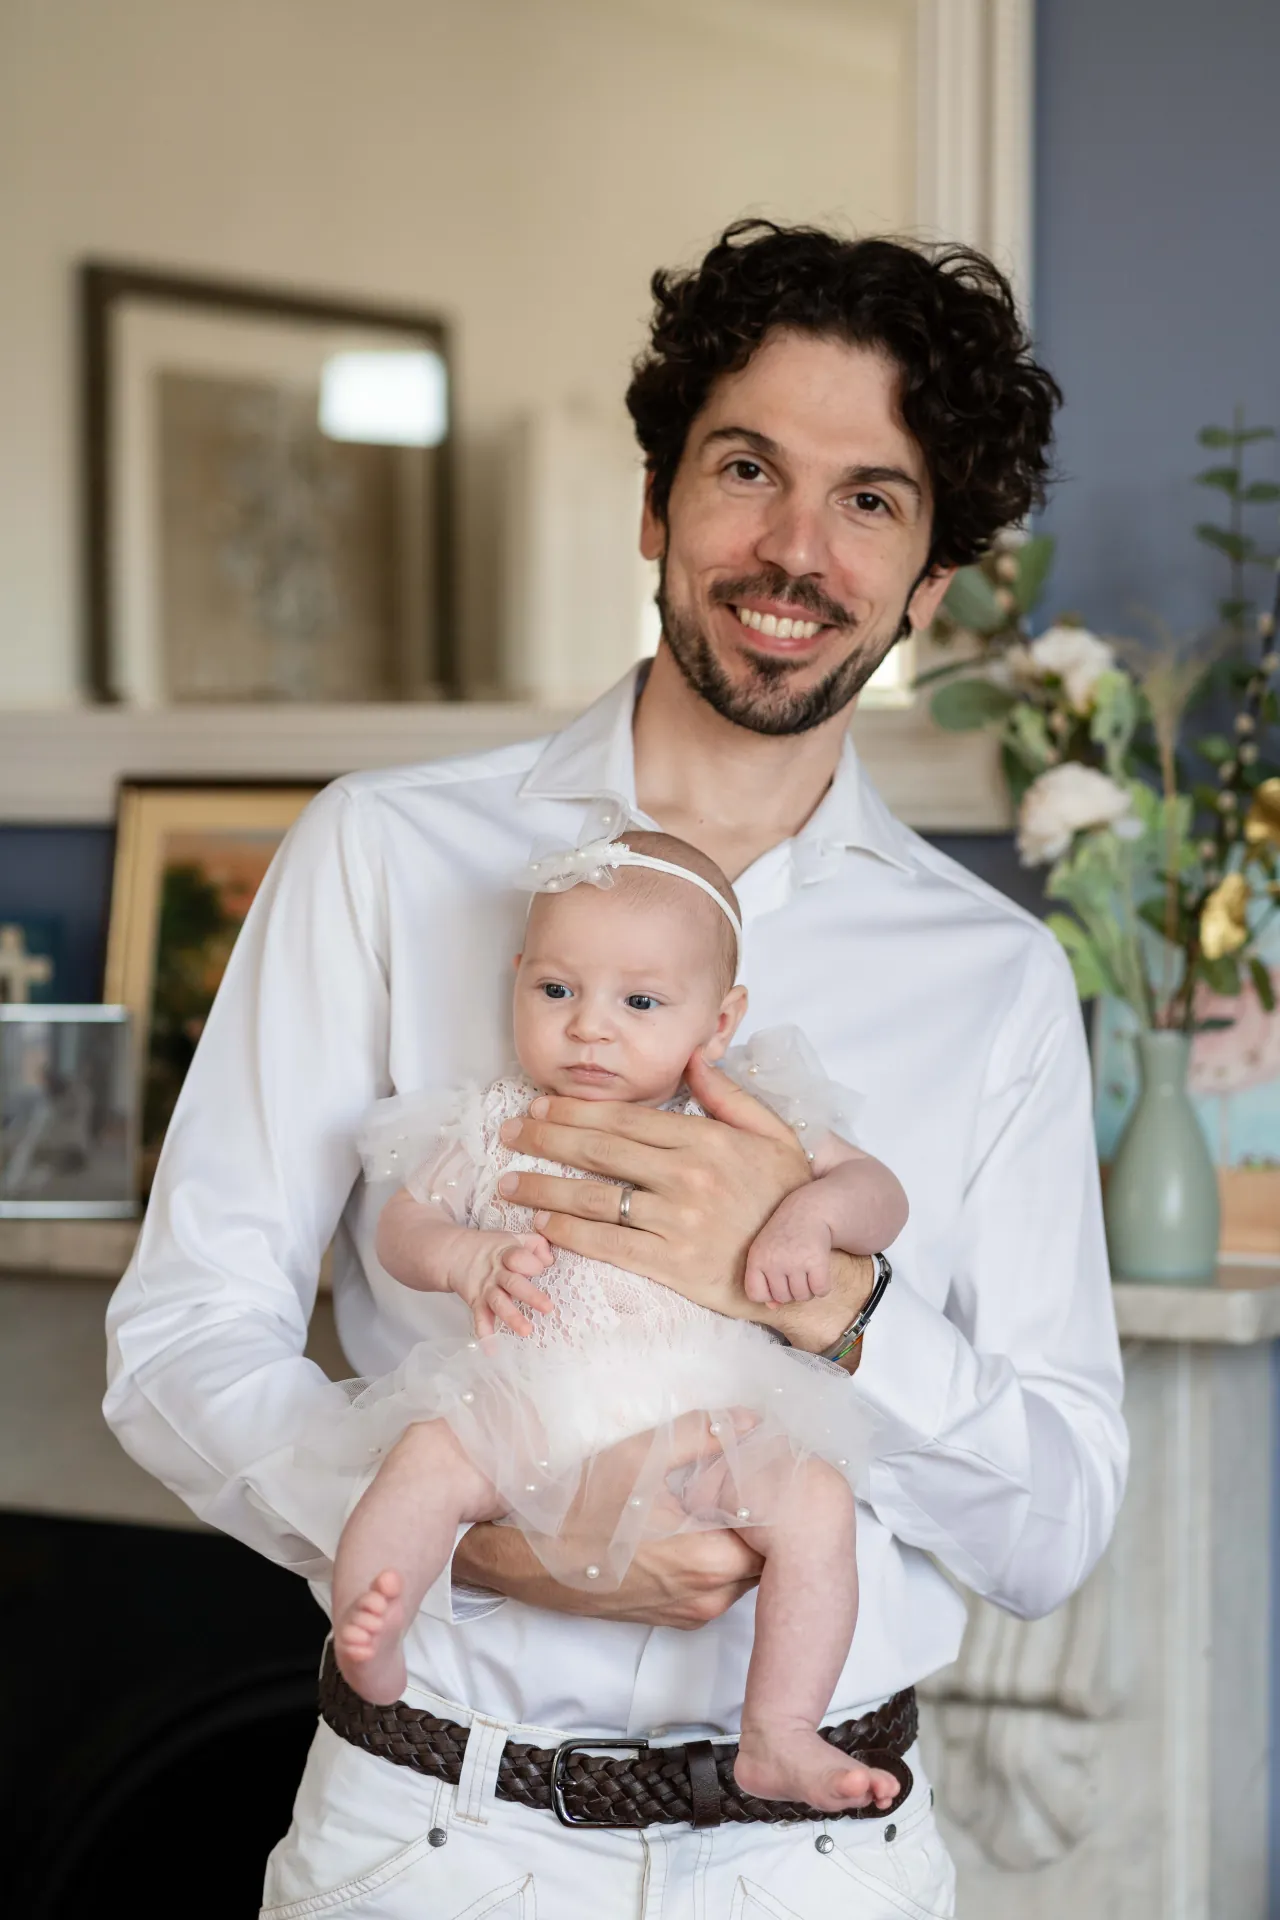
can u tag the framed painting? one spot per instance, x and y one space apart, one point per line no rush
266 493
189 860
67 1114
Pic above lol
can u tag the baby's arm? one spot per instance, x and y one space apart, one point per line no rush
853 1203
423 1246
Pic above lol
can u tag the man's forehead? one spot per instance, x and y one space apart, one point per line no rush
816 397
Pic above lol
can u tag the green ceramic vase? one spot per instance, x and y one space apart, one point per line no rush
1162 1196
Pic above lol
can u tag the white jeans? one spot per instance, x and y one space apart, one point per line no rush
361 1848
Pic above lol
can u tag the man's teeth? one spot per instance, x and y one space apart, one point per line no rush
779 629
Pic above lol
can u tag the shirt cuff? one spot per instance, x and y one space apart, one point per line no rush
905 1378
452 1602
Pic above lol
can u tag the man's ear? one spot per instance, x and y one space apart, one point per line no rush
653 529
928 597
732 1010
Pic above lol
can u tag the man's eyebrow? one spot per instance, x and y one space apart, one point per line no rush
865 476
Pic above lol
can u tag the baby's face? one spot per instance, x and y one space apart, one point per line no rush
614 993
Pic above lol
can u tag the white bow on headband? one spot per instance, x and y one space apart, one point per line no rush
599 853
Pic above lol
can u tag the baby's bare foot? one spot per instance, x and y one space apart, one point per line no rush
796 1764
367 1640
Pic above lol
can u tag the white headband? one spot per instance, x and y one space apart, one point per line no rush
599 853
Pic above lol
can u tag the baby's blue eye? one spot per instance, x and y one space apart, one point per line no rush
554 990
641 1002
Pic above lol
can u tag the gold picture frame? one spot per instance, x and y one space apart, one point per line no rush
189 860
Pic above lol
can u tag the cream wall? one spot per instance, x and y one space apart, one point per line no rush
518 165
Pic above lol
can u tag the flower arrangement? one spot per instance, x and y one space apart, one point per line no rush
1146 776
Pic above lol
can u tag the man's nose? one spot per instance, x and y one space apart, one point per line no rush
795 536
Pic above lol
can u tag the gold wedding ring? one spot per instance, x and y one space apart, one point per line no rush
624 1205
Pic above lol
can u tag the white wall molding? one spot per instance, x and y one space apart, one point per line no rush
975 84
62 767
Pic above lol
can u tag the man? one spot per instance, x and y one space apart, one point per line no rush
829 428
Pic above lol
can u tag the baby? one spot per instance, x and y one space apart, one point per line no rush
629 964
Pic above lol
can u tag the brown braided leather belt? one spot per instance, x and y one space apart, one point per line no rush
584 1788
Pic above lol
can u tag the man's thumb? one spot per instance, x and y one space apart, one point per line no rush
723 1099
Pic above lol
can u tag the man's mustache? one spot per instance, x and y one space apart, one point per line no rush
790 592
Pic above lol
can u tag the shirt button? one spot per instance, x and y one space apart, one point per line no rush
824 1843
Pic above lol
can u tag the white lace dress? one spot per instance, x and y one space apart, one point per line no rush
618 1355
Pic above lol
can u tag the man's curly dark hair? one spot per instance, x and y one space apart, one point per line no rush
971 394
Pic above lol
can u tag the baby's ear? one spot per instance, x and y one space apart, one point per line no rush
732 1010
516 962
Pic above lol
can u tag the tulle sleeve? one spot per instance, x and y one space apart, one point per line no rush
780 1068
428 1142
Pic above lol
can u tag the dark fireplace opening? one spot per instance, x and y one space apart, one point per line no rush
157 1698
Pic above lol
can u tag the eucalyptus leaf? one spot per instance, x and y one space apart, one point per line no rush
1114 717
1222 975
1035 557
963 705
971 602
1261 490
1245 435
1225 477
1237 545
1216 437
1262 984
1091 975
1026 736
1216 747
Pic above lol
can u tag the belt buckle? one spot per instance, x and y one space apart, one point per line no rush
588 1745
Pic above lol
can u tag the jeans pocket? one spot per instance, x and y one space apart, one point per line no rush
912 1872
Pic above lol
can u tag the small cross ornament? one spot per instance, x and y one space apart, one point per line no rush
20 970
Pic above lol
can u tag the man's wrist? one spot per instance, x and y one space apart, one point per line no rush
813 1325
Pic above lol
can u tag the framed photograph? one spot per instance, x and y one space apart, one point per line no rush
189 860
1234 1081
68 1146
266 493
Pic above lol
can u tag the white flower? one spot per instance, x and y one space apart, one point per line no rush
1062 801
1078 658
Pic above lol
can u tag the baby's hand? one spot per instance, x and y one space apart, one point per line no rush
498 1280
789 1259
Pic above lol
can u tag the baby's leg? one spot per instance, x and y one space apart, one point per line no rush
394 1546
805 1614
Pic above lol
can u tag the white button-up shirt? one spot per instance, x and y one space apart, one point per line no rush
377 957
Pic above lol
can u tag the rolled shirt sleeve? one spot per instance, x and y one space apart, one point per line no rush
209 1388
1000 1444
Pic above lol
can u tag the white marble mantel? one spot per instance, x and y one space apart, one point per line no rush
1114 1760
1111 1761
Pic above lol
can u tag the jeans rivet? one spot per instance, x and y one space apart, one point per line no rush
890 1832
437 1837
824 1843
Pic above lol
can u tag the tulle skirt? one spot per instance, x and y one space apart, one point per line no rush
624 1437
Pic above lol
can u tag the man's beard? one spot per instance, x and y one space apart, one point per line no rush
766 703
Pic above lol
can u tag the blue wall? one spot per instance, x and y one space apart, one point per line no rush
1158 307
1158 282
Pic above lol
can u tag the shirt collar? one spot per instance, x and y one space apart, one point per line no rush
595 755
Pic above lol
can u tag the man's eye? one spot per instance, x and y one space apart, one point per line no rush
745 469
870 503
641 1002
555 991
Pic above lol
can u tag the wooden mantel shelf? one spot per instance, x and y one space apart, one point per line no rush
1241 1308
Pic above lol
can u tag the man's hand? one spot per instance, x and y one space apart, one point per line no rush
703 1187
682 1580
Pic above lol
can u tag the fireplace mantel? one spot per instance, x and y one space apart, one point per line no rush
64 765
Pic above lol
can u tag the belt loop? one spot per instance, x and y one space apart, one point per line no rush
479 1778
704 1783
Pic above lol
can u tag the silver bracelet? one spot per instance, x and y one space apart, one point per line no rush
841 1348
